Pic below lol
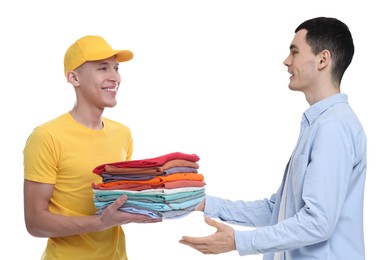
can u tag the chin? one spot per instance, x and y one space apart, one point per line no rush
292 87
111 105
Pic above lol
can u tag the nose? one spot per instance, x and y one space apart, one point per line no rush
287 60
115 76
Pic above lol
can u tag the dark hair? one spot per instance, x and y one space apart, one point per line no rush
324 33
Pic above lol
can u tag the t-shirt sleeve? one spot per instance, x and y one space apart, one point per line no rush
40 158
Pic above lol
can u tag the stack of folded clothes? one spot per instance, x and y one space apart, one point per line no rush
168 186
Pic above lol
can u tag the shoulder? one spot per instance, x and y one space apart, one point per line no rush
45 128
64 119
341 115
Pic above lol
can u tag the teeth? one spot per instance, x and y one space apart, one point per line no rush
110 89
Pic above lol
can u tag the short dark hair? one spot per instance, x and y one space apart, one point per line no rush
324 33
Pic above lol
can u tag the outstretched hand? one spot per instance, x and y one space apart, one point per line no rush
222 241
111 216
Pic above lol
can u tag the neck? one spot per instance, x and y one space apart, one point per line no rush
321 94
89 119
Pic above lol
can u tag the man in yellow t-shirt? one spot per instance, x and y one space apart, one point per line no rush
60 154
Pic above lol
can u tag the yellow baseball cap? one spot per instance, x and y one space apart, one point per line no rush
91 48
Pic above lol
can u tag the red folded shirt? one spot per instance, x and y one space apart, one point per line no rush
151 162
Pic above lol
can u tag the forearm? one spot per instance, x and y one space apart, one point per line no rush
47 224
43 223
246 213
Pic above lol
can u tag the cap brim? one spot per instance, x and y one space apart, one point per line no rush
124 55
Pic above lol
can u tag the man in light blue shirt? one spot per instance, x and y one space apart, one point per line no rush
317 212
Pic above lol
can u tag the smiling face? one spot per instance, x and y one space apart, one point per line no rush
301 64
97 83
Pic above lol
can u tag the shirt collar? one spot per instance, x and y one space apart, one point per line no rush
314 111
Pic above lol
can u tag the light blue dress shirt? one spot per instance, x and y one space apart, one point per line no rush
323 214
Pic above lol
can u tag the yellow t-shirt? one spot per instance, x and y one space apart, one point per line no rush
64 153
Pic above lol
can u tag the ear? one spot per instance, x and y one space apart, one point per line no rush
72 78
324 59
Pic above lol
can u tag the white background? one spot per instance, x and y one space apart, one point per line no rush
207 78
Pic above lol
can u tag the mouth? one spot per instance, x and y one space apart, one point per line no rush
112 89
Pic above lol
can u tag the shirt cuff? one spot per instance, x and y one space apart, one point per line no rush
243 242
211 206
